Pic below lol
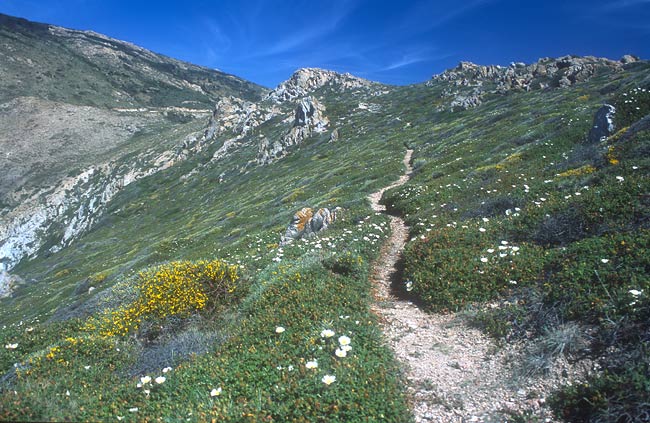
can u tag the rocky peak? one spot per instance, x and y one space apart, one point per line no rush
547 72
306 80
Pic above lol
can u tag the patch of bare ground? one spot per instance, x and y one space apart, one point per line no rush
454 372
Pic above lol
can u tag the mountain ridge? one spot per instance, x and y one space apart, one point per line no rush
148 277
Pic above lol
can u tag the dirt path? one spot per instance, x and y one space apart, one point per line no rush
454 372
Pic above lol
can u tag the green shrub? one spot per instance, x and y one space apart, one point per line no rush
631 106
617 395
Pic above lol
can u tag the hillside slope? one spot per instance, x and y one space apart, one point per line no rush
83 112
178 299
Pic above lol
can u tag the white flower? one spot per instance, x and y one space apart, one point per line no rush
327 333
146 379
67 393
604 260
311 364
290 368
484 260
346 348
515 249
481 229
513 282
328 379
279 329
344 340
215 392
133 410
635 292
340 353
490 250
409 286
160 379
87 367
504 242
147 391
620 178
167 369
11 346
29 329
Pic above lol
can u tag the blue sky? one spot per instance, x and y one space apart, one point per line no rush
396 42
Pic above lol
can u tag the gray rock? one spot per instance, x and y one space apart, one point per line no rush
464 102
306 222
603 125
335 135
308 118
305 81
8 283
628 58
562 72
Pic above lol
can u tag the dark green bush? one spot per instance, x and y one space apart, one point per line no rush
618 395
631 106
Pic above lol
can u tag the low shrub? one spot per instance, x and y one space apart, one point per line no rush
618 395
631 106
175 289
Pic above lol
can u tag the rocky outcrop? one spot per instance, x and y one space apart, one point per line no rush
51 219
603 125
8 283
304 81
466 101
237 116
545 73
309 118
307 222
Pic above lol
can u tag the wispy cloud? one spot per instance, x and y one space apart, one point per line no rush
217 36
413 57
623 4
299 37
430 14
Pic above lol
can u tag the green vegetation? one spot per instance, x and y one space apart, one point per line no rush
513 218
554 234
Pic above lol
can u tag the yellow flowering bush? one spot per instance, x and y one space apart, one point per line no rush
611 155
175 289
583 170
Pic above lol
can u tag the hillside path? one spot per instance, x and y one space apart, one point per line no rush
453 371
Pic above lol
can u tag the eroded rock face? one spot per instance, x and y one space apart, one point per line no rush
309 118
562 72
307 222
603 125
306 80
